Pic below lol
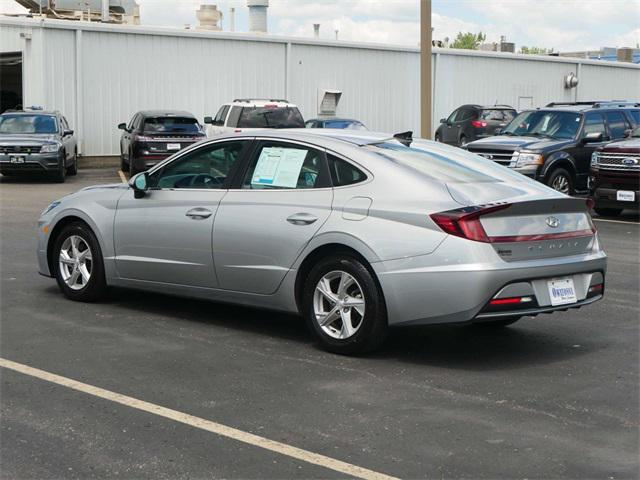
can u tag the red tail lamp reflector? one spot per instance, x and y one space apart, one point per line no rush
478 123
510 301
596 288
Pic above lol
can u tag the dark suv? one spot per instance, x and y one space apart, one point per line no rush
153 135
554 144
37 141
471 122
615 176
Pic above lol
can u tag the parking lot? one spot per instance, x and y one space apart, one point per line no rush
552 396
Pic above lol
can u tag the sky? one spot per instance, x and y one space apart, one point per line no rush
564 25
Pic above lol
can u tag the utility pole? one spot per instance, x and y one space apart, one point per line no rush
426 105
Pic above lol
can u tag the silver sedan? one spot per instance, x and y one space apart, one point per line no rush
355 231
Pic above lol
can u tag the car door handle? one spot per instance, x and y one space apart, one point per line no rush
199 213
302 219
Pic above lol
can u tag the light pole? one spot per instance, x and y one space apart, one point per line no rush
425 69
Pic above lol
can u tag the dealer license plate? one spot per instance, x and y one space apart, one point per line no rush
562 291
16 159
625 196
173 146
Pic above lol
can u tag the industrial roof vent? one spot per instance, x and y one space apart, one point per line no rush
258 15
328 101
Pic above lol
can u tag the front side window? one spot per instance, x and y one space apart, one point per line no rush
617 124
278 165
12 124
270 117
208 167
179 125
544 123
221 116
594 123
132 123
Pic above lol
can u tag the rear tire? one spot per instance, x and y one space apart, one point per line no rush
463 141
561 181
91 265
504 322
608 212
360 303
437 138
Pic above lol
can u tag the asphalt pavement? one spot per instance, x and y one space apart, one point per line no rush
554 396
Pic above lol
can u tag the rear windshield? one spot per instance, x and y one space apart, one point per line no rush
270 117
12 124
171 125
497 115
444 165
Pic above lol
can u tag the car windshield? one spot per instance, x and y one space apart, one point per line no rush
171 125
498 115
15 124
544 123
346 124
270 117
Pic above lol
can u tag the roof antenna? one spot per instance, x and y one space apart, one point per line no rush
405 138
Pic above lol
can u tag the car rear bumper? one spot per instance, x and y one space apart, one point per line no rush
34 162
455 283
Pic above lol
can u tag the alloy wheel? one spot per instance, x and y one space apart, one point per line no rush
561 184
75 262
339 305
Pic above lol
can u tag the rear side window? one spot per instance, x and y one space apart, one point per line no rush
343 173
617 124
171 125
270 117
594 122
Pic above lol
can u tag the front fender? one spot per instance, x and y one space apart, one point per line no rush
558 159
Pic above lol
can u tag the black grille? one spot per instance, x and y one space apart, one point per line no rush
20 149
502 157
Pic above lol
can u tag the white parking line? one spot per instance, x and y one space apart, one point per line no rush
201 423
616 221
122 177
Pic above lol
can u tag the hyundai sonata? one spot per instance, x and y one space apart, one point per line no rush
356 231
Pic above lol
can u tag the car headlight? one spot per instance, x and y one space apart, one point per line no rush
50 148
527 159
595 159
51 206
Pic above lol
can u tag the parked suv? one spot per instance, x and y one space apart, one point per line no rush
554 144
615 175
37 141
153 135
247 114
471 122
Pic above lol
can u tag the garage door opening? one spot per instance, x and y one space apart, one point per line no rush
10 81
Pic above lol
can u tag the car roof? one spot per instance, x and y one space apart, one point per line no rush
166 113
260 102
325 119
31 112
488 107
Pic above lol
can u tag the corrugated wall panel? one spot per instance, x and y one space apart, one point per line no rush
59 73
600 82
380 87
126 73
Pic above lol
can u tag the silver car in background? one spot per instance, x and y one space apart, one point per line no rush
356 231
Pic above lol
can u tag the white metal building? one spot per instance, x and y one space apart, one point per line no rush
98 75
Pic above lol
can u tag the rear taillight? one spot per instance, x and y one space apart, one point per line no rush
590 203
465 222
478 123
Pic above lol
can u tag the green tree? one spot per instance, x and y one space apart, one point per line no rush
536 50
468 41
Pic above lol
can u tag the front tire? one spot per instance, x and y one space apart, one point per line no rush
344 306
437 138
73 169
561 181
78 265
60 174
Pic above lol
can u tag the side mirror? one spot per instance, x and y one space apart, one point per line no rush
443 120
627 133
122 126
68 132
140 184
208 120
593 137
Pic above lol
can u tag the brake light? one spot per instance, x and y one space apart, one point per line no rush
478 123
271 105
465 222
237 130
510 301
591 203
